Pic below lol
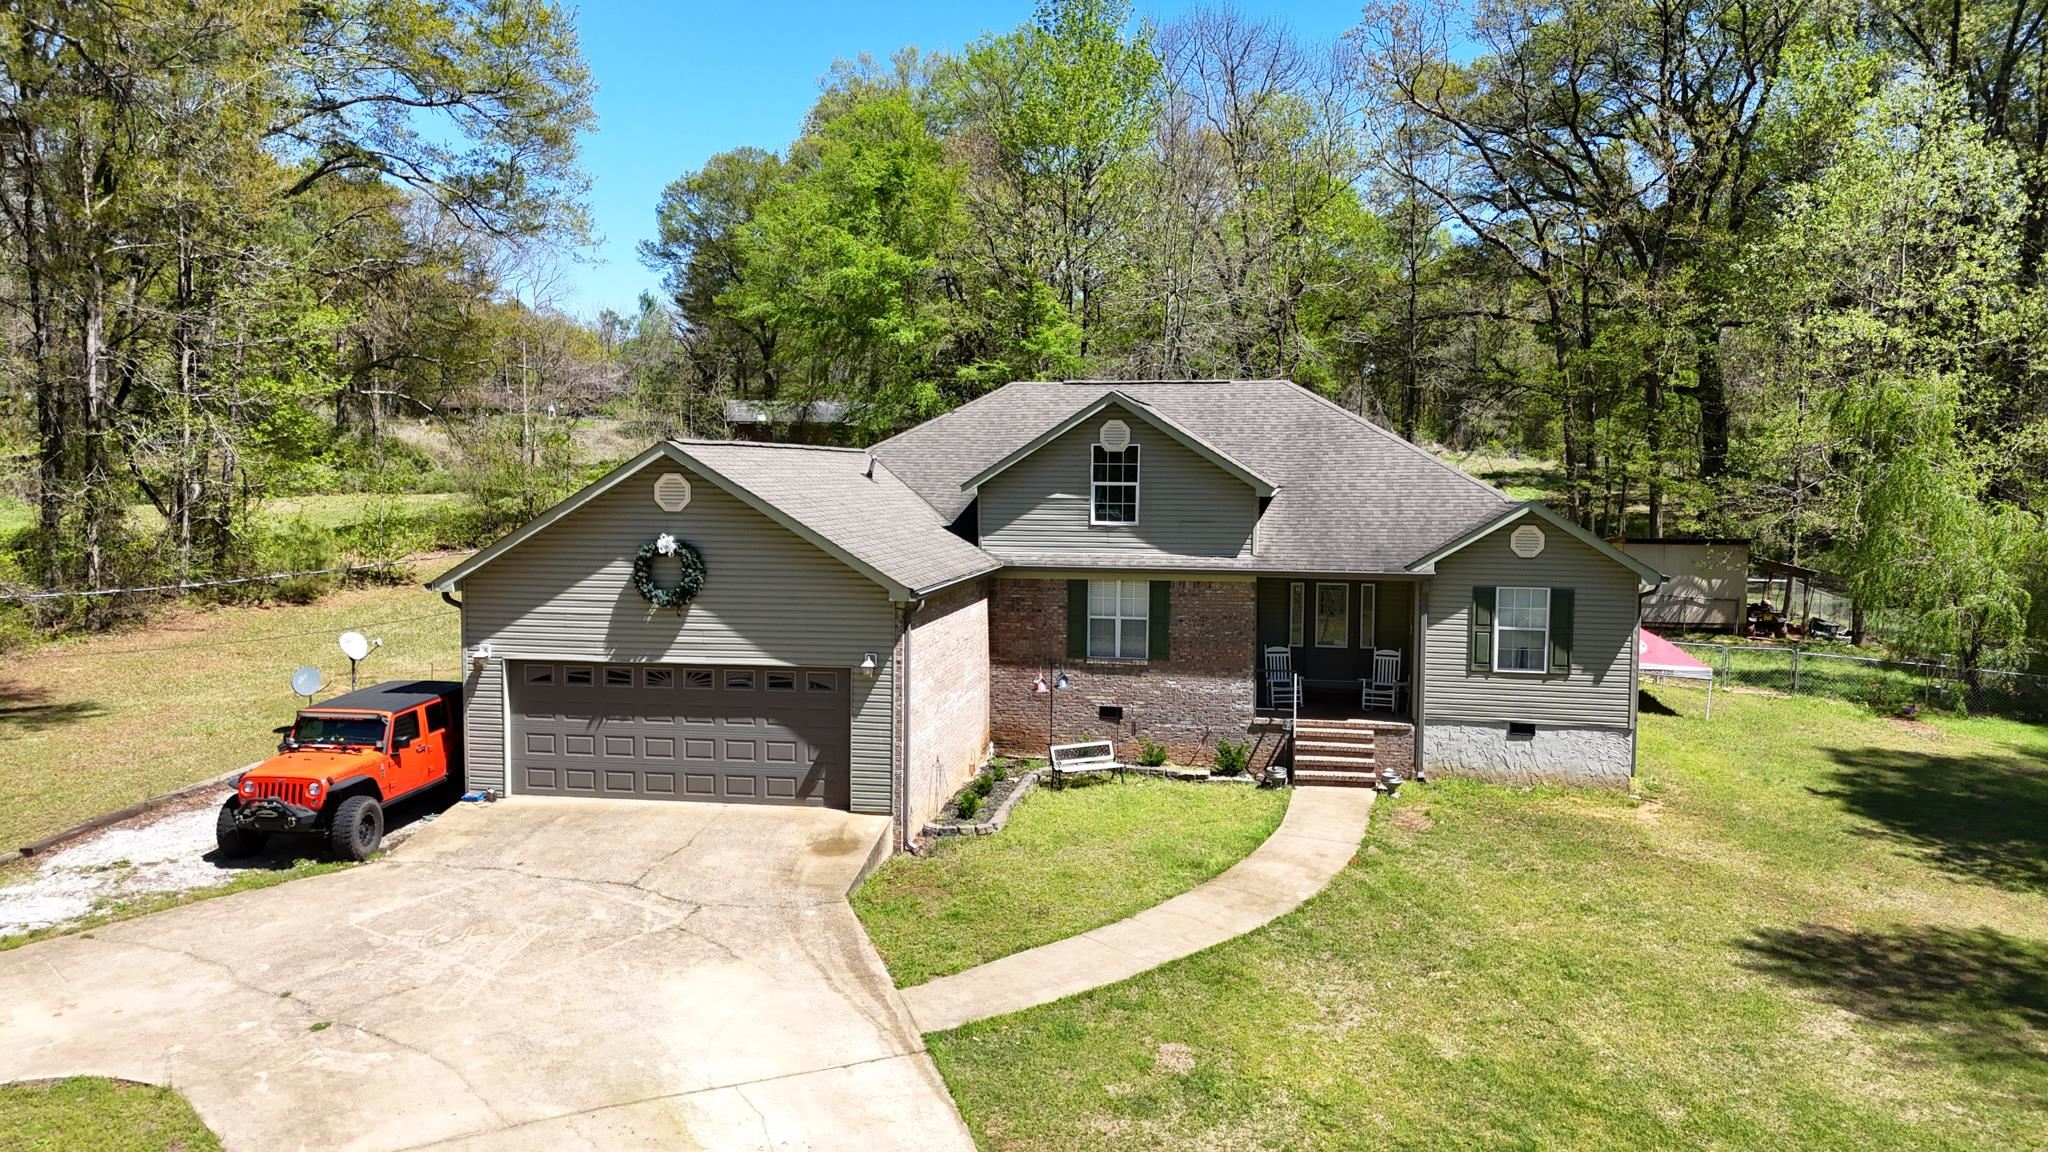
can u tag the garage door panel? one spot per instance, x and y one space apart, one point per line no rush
748 735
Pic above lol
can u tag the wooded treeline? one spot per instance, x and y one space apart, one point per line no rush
1770 268
237 236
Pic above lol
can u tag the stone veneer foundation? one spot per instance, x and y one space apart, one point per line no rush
1554 755
1201 693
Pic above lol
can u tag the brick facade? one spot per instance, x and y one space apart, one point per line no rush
1201 693
949 696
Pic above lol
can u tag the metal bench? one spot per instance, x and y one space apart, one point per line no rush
1076 759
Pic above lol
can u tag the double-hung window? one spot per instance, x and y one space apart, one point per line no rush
1119 619
1113 486
1521 630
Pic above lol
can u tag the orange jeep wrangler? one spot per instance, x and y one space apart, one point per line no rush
342 762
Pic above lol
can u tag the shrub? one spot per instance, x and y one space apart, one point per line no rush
1232 757
982 786
1151 755
967 805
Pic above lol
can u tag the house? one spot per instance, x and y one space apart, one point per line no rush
1053 561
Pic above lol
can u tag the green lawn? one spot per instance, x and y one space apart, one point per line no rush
1067 862
92 1114
92 725
328 511
1814 929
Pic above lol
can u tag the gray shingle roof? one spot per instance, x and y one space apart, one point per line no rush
875 518
1352 497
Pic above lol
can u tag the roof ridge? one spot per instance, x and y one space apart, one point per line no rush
731 443
1402 441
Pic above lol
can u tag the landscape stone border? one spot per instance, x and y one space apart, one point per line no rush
1000 814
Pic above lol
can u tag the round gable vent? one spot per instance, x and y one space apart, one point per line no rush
1527 541
672 492
1116 435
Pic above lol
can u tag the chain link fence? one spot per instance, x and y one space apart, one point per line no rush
1887 686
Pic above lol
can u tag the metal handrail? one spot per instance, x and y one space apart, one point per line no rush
1293 721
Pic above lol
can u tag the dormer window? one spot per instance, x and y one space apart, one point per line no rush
1113 486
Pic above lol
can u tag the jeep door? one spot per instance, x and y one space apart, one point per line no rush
415 756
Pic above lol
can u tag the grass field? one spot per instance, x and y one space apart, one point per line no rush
1813 929
1067 862
327 511
92 725
93 1114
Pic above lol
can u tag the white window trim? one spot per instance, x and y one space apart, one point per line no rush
1543 666
1297 614
1143 622
1136 487
1346 641
1368 611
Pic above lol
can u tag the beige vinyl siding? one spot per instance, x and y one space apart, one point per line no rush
1598 691
769 598
1186 505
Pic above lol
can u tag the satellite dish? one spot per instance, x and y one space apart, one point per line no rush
354 646
307 682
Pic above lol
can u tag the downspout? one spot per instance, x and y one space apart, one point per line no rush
449 599
900 786
1635 678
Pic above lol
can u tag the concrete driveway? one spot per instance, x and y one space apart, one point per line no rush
537 974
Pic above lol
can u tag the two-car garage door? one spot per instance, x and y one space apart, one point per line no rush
682 732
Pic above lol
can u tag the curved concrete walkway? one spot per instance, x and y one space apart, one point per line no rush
1317 838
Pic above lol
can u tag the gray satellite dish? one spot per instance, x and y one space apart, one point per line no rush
307 682
354 646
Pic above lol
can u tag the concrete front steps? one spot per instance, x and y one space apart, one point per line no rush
1334 754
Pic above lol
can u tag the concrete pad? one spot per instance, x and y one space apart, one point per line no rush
1315 840
512 978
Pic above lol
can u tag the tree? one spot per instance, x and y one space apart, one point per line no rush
1896 282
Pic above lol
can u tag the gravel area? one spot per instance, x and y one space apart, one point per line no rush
168 850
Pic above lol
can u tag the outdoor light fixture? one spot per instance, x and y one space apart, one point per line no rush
1053 678
868 664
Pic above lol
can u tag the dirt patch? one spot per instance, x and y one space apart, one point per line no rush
1912 727
1411 818
1178 1059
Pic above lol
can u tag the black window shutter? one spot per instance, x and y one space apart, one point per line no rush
1560 630
1077 619
1159 622
1482 630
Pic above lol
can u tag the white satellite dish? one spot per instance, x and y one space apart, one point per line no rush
354 646
307 681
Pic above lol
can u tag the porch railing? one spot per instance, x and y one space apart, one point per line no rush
1293 720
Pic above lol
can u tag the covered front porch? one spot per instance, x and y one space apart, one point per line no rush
1340 636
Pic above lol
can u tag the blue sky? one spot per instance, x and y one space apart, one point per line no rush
678 82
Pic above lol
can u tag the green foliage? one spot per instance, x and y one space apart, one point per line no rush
967 804
1895 277
1233 757
1150 754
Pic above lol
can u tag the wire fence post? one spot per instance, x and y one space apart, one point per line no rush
1795 671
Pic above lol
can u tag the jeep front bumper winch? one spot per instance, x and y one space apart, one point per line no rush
273 815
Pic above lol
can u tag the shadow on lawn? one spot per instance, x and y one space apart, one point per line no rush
26 709
1978 816
1981 994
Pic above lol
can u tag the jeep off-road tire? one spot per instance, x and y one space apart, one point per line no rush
235 842
357 829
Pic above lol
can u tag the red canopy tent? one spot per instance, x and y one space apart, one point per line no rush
1656 656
